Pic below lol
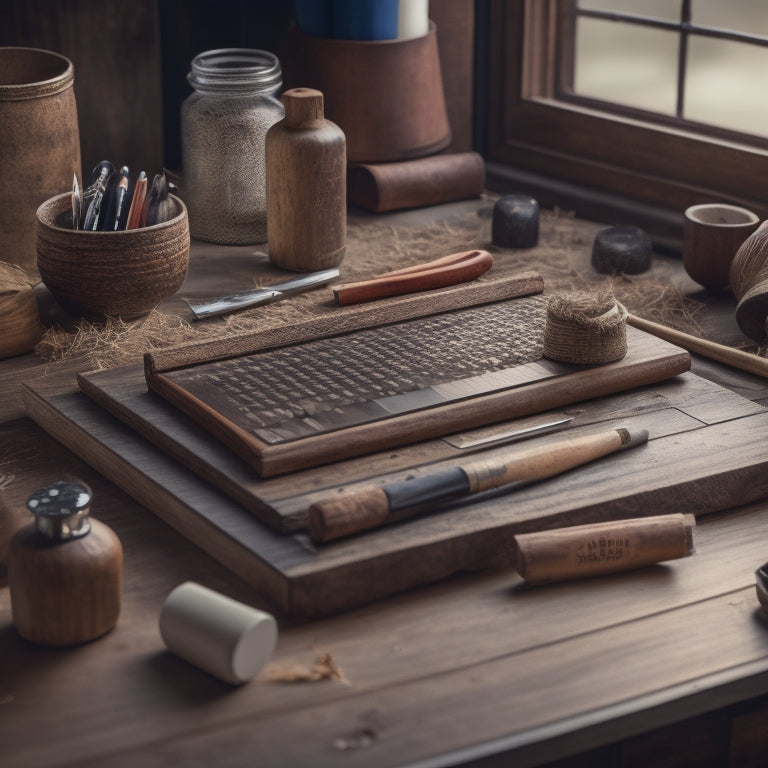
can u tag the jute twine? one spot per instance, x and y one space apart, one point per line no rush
585 329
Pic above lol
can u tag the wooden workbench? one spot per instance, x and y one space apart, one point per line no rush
663 666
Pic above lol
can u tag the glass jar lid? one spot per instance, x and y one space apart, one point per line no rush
235 72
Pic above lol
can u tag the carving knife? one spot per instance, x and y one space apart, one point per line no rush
373 506
267 295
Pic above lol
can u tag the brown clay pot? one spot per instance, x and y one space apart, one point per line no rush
39 143
386 95
126 273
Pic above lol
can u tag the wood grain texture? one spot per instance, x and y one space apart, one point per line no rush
687 467
65 593
417 658
397 309
115 49
539 388
306 186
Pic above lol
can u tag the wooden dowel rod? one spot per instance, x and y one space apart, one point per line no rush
736 358
600 548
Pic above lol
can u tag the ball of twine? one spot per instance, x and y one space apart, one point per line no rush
749 282
585 329
20 326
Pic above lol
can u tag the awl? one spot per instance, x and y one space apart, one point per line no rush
267 295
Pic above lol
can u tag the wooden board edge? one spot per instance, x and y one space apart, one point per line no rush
268 580
191 460
345 320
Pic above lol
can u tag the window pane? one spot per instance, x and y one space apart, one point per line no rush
627 64
726 85
659 9
749 16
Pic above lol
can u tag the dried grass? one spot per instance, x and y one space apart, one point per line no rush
379 244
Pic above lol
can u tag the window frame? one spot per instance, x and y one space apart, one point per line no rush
609 165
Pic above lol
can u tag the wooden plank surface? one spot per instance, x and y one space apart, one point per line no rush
481 663
698 463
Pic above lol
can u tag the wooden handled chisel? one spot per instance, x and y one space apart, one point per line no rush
374 506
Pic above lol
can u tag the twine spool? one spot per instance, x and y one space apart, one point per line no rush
20 325
585 330
749 282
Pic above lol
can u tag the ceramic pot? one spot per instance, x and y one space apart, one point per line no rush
386 95
39 143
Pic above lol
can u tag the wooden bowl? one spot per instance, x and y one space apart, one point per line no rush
126 273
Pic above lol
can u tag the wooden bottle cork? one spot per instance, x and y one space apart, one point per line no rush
601 548
65 570
306 186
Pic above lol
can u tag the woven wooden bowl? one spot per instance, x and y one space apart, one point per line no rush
126 273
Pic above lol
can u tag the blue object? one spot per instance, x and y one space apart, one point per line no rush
365 19
315 17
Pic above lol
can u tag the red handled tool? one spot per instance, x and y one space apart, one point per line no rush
448 270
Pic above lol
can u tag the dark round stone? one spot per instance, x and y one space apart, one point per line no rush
515 222
621 249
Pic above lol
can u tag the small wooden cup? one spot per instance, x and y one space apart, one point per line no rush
126 273
713 234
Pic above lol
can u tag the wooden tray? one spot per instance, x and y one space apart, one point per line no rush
706 453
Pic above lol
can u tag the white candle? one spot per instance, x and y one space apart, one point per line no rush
222 636
412 19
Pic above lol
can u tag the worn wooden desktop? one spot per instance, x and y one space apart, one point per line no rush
664 666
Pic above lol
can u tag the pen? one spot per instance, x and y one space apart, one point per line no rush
121 194
94 209
77 203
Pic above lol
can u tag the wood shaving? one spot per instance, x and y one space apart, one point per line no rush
323 668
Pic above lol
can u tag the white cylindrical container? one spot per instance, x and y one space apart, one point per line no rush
412 19
222 636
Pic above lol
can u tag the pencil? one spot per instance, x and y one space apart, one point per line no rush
137 202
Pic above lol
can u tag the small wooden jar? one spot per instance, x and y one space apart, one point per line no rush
65 570
306 186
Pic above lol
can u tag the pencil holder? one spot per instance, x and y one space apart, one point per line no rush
126 272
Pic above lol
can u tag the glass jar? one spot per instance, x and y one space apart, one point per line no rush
223 126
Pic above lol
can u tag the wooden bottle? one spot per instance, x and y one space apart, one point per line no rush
65 570
306 186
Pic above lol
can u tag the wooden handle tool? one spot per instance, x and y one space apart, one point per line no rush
736 358
448 270
373 506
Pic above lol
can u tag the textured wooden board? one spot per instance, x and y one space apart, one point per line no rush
706 453
281 501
